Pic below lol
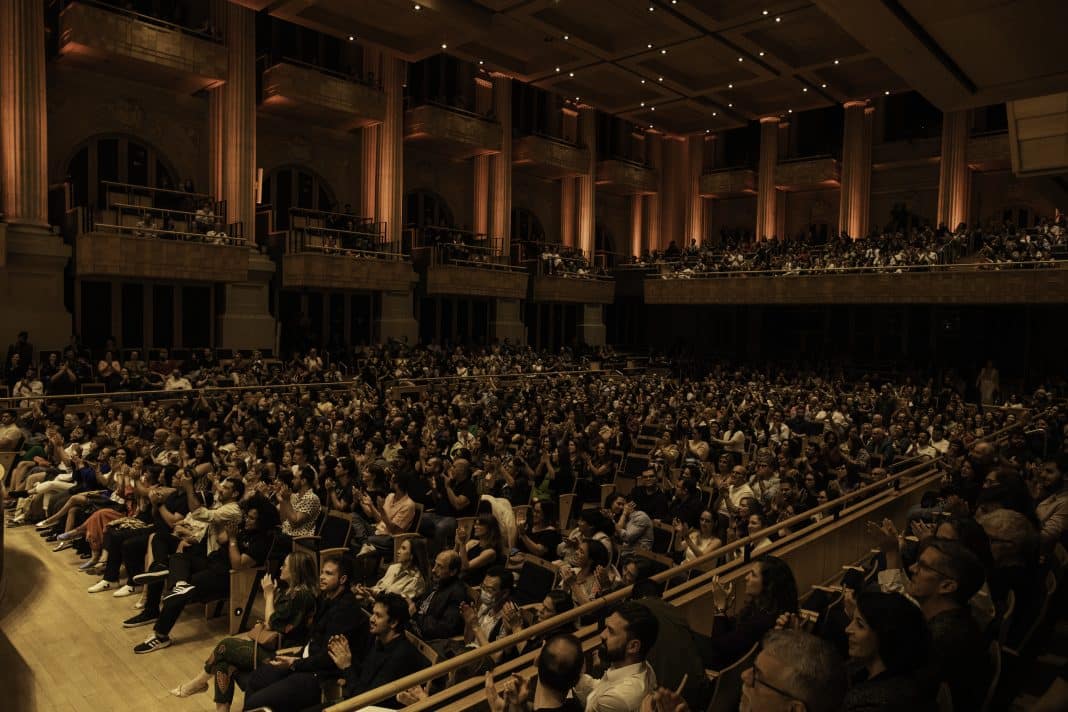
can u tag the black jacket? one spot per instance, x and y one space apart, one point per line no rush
383 664
437 612
334 616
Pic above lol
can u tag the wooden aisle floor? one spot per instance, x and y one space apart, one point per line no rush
62 649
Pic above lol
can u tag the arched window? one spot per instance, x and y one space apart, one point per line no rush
288 187
123 159
526 227
425 207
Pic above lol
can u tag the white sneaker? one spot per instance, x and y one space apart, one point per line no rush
126 590
99 586
140 603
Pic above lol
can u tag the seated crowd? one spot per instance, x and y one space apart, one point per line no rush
996 244
448 492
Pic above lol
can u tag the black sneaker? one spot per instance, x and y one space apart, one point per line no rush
142 618
182 589
155 571
152 644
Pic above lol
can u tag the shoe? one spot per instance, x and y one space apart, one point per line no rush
101 585
72 535
63 545
180 589
186 690
85 557
90 564
140 602
152 644
50 531
142 618
155 571
43 524
126 590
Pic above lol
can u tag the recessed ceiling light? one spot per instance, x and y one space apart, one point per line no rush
660 79
567 37
352 38
651 8
713 113
789 111
663 51
643 104
418 6
836 61
558 69
765 12
730 86
650 126
823 86
480 62
653 109
729 106
570 74
709 130
740 59
649 45
804 89
887 93
761 54
576 98
778 19
444 46
643 81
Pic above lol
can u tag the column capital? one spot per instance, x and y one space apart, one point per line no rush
769 119
853 103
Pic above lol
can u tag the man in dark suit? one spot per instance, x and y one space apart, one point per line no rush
436 614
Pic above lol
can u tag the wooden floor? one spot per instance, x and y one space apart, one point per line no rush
62 649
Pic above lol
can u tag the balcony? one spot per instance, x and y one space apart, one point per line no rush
728 182
452 132
958 284
296 90
152 253
807 173
548 157
351 256
462 263
565 276
624 177
108 39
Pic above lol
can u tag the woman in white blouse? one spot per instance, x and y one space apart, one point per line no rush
407 575
697 542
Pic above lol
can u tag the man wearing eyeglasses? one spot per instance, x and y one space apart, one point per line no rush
794 672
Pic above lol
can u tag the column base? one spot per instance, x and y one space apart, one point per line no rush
32 260
247 322
591 329
396 320
506 325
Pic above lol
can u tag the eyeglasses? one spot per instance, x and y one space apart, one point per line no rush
756 680
920 564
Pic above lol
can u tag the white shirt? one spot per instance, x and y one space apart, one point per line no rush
620 690
736 495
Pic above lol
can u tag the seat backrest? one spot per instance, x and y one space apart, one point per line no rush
335 530
417 518
728 692
421 645
536 578
663 537
1006 617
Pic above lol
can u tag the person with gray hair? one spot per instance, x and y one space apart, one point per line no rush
1014 543
794 668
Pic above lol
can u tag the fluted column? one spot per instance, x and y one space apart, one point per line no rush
369 171
636 245
239 118
23 117
766 197
856 169
481 210
216 142
955 180
567 211
695 213
586 184
502 165
391 150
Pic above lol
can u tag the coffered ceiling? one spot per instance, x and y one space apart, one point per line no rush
688 66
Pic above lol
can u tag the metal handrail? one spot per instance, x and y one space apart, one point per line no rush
742 548
161 234
148 19
132 187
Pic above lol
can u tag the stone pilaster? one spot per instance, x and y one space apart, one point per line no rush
591 328
481 210
695 209
586 185
856 169
397 320
246 322
766 223
507 325
567 211
955 179
239 118
391 151
501 223
636 242
655 152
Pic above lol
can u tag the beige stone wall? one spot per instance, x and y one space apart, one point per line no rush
915 186
542 197
334 155
613 214
452 180
810 207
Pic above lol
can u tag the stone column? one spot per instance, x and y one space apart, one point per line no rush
955 179
856 169
24 122
695 208
507 326
369 171
481 222
567 211
501 224
586 184
390 190
239 118
591 328
31 257
397 320
655 153
247 322
636 243
216 142
766 197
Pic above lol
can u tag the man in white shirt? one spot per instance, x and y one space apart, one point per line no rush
737 490
628 636
177 382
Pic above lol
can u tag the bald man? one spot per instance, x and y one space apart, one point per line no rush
436 614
